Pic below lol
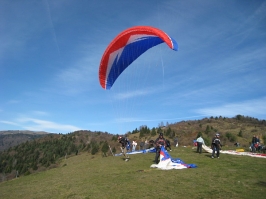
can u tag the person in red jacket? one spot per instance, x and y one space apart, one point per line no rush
159 142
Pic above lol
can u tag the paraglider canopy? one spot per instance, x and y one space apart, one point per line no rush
127 47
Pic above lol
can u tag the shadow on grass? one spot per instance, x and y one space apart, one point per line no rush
261 183
209 155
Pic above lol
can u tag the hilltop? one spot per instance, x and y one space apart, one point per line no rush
237 129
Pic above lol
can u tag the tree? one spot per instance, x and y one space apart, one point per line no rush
161 124
94 150
159 130
105 148
199 134
153 131
173 134
208 129
230 137
114 150
239 117
94 147
114 138
168 131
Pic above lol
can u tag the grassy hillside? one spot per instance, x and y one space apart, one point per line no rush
237 129
93 176
42 154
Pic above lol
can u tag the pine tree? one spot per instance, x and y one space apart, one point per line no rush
105 148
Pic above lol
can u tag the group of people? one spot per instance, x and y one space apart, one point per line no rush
158 143
133 145
162 142
215 145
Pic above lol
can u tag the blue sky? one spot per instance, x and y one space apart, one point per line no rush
50 53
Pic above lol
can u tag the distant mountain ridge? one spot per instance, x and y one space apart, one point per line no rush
22 131
10 138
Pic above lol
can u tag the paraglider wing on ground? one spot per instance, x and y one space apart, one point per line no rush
167 162
234 152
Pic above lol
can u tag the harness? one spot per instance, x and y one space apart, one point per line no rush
216 141
124 142
160 141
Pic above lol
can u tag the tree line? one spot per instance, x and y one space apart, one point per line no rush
33 155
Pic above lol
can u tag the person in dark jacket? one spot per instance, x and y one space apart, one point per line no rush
168 145
216 145
159 142
253 144
124 146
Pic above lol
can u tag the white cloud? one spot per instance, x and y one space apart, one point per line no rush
254 108
9 123
38 125
131 94
42 113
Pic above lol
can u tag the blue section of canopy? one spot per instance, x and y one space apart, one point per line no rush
176 160
129 54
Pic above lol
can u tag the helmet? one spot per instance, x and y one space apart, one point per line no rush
119 138
161 134
217 134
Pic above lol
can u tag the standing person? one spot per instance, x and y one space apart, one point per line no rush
257 145
124 145
159 142
253 143
141 145
168 145
200 141
176 142
146 144
134 144
257 139
216 145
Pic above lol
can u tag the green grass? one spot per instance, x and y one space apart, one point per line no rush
87 176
